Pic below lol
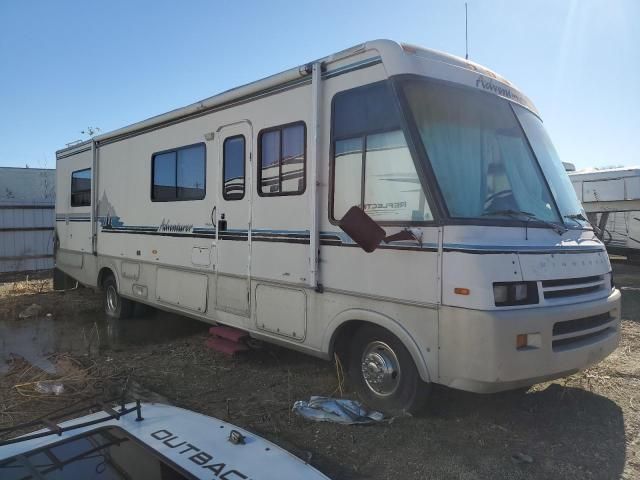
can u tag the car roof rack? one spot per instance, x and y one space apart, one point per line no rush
49 422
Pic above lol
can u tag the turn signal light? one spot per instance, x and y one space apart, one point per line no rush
528 341
461 291
521 341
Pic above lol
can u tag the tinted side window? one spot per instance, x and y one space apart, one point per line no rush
81 188
282 160
179 174
372 166
164 177
233 175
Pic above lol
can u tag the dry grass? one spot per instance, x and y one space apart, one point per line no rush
28 287
23 394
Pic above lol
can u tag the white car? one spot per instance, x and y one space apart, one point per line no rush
147 441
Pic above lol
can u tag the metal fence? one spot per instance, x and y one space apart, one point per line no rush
26 236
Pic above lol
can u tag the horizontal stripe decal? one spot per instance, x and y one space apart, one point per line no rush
517 247
264 235
330 238
513 250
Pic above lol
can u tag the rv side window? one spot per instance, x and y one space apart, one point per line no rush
81 188
233 168
282 160
178 174
372 166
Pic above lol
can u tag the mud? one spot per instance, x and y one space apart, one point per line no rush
584 426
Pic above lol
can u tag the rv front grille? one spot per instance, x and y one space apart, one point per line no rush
587 323
571 287
580 340
578 332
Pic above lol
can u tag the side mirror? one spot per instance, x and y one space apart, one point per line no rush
362 229
368 234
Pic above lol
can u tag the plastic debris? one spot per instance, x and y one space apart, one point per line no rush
326 409
54 388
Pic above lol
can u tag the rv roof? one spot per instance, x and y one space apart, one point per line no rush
385 48
605 173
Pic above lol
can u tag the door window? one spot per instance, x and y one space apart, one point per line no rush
233 173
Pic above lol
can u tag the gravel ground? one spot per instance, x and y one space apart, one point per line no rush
583 426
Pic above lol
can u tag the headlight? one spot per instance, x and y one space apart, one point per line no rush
515 293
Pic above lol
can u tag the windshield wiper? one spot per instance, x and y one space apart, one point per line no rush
577 216
531 216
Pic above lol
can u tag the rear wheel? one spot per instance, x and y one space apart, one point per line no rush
384 373
114 305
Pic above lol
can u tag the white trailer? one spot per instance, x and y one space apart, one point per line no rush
232 211
611 198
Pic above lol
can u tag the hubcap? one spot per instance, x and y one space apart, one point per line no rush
380 369
112 299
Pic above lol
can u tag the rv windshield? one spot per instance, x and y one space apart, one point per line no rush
557 177
483 163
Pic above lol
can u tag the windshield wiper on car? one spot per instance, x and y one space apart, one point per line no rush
577 216
531 216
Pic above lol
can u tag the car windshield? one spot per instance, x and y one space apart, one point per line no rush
106 453
483 163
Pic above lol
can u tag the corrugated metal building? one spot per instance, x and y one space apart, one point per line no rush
27 219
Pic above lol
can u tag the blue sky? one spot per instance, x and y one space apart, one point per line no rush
66 65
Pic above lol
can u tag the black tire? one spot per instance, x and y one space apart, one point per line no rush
114 305
400 389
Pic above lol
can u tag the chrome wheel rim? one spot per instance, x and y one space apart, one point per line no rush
112 299
380 369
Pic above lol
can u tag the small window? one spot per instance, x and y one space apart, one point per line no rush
81 188
178 174
372 165
233 168
282 160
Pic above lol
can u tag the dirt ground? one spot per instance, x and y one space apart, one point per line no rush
584 426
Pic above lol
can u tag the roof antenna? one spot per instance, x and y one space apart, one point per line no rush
466 33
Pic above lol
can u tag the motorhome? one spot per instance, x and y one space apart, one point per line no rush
619 223
399 207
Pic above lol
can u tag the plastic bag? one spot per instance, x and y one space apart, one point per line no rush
326 409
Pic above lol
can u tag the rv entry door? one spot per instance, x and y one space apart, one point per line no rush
232 214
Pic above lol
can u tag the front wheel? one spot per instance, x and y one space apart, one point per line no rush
114 305
384 373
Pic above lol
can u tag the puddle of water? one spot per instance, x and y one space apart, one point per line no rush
30 340
35 339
